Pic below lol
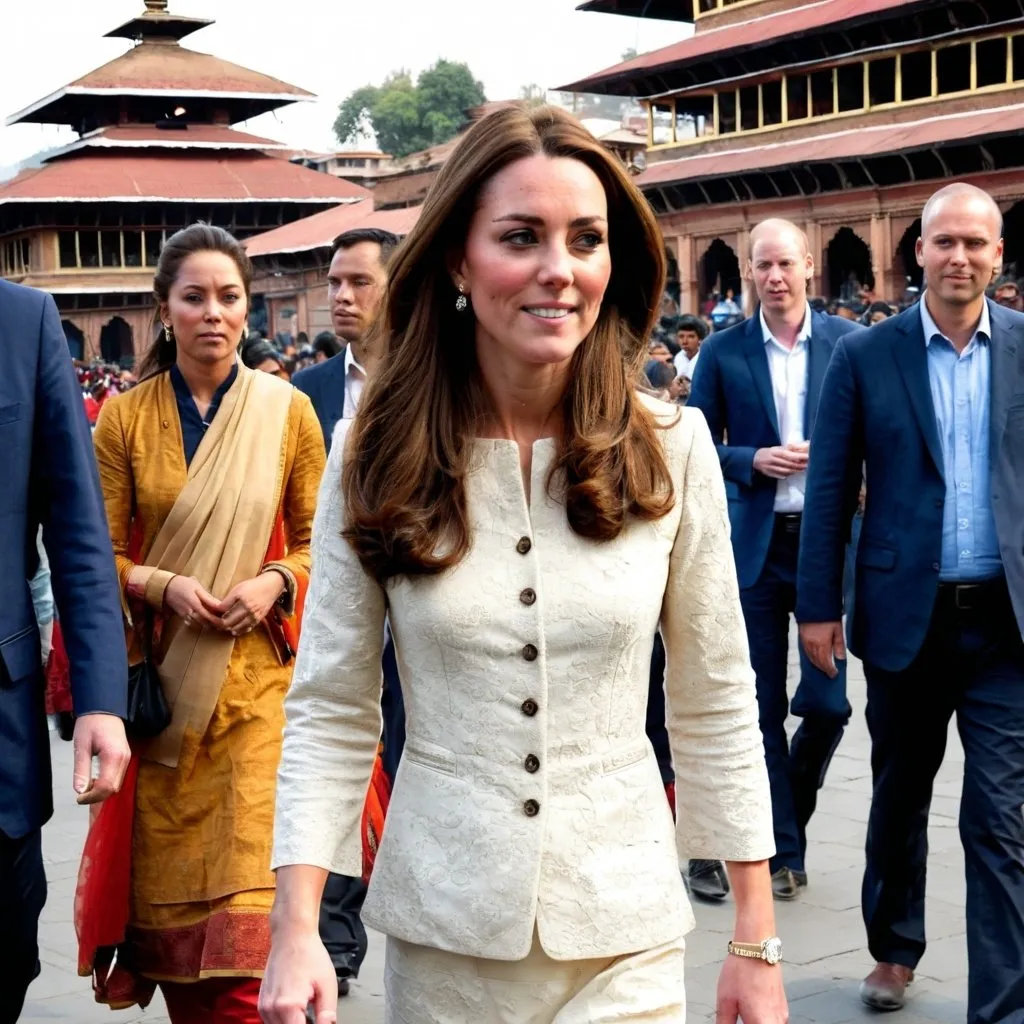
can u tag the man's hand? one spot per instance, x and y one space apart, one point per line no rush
102 735
781 461
824 644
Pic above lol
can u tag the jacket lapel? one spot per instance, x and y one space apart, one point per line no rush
819 352
758 360
911 355
1005 374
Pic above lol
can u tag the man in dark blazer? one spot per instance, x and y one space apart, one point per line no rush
50 479
758 384
355 287
931 403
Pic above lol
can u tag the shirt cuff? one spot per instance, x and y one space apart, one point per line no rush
156 588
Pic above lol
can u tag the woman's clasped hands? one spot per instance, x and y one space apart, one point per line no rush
244 607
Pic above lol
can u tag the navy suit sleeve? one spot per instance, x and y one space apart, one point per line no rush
70 507
833 477
706 395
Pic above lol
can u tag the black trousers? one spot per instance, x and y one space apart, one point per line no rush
341 927
22 896
971 665
796 770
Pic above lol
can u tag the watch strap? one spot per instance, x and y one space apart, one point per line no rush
747 949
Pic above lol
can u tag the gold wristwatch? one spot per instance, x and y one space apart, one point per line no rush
770 951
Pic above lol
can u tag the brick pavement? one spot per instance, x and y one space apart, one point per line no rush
823 933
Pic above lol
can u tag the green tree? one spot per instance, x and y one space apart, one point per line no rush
407 116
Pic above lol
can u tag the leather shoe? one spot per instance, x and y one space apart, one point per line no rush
785 885
343 987
801 879
885 988
707 880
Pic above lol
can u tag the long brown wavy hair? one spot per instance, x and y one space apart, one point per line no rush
407 452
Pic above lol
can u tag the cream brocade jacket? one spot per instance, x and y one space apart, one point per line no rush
528 792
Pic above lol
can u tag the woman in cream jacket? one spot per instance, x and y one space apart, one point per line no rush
527 521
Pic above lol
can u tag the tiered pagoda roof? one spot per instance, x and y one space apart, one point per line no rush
769 39
154 126
665 10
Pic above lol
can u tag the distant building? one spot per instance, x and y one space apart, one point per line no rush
363 167
156 151
842 115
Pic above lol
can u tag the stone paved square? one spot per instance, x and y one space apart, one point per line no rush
823 934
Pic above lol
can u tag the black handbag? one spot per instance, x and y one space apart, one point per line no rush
148 711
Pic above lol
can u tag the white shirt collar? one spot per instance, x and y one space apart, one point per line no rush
931 328
805 329
351 361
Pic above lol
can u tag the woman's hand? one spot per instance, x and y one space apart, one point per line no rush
249 603
188 598
750 991
299 973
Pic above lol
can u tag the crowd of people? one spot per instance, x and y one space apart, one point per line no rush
468 632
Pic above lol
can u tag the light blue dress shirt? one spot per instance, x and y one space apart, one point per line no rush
961 391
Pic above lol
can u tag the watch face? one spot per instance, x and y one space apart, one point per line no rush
772 951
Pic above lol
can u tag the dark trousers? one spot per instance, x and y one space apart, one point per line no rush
796 771
22 895
341 928
971 664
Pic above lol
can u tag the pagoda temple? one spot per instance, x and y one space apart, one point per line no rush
155 152
841 115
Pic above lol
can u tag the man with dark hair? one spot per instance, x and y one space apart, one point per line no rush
355 287
1006 292
690 333
326 346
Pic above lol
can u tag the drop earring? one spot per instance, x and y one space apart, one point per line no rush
461 302
169 334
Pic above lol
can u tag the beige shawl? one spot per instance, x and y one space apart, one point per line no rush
218 531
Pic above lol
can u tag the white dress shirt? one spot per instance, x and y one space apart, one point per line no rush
355 379
685 365
788 367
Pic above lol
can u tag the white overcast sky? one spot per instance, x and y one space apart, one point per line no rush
329 47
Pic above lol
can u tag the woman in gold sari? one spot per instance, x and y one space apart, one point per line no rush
210 474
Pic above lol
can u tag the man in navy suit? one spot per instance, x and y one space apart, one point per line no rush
931 404
758 384
356 282
355 286
50 479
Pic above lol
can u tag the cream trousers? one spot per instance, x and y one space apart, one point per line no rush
428 986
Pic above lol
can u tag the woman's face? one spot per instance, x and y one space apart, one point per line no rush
207 307
537 262
273 367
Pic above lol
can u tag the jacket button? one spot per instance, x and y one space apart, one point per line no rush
532 763
531 808
529 708
529 653
528 596
940 502
936 567
165 424
524 545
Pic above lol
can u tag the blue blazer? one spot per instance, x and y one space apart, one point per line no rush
324 383
50 478
881 419
732 386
